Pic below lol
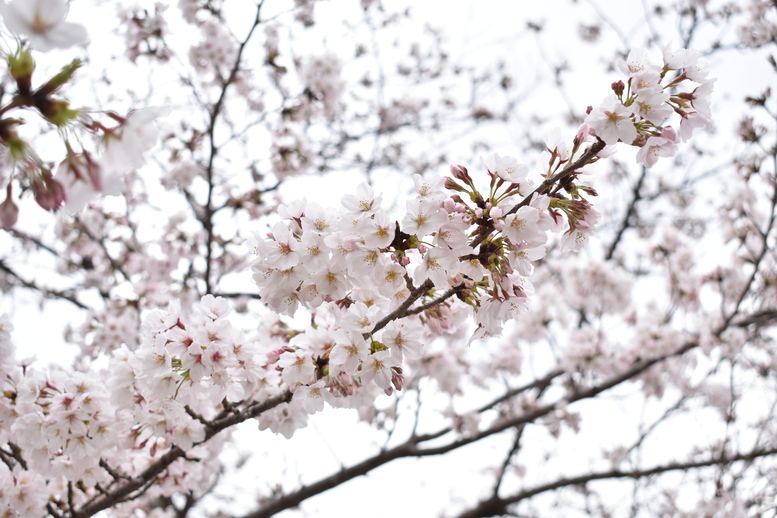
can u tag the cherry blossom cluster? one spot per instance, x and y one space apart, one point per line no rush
377 287
761 26
458 246
145 32
195 359
321 88
358 269
637 110
118 142
88 426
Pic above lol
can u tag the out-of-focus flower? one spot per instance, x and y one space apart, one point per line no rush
43 22
48 192
9 212
125 145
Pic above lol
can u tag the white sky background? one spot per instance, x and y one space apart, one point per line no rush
477 31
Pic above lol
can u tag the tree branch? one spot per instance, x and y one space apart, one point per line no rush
485 509
64 295
636 195
207 219
136 486
410 448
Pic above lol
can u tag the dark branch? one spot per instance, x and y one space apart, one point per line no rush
207 217
136 486
636 195
57 294
486 508
411 447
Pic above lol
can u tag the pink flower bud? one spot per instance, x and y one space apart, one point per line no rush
496 212
9 212
396 378
669 133
452 185
449 205
618 87
49 193
499 224
405 261
460 173
94 169
422 249
275 354
582 135
478 212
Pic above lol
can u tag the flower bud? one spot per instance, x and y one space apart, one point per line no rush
64 75
57 112
451 185
21 66
49 193
460 173
583 132
618 87
17 147
9 212
274 355
669 133
396 377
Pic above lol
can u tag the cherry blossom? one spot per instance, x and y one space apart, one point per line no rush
136 134
652 107
612 122
522 227
506 167
637 61
654 148
423 217
43 23
342 307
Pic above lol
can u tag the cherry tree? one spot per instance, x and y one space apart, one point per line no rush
548 280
